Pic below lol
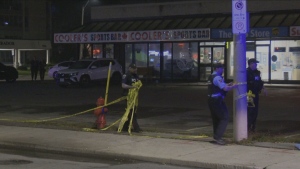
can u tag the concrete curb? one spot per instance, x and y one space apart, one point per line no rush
109 155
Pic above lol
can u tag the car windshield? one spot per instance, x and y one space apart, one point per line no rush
82 64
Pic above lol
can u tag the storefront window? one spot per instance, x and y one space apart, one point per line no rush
87 51
97 51
140 53
6 56
185 60
211 43
167 57
282 63
285 62
266 42
128 55
109 48
154 58
262 55
210 55
205 63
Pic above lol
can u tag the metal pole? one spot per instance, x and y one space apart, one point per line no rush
107 83
240 98
82 22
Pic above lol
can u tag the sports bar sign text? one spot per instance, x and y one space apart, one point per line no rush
133 36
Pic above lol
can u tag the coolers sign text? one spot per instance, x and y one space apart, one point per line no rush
134 36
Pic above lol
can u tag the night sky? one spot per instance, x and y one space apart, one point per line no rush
67 13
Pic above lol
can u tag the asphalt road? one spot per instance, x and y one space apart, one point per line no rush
34 160
169 108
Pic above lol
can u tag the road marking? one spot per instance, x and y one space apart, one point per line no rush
292 135
197 128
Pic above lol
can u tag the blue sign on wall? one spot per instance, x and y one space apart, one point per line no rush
253 33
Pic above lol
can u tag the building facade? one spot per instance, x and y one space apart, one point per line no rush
25 28
181 41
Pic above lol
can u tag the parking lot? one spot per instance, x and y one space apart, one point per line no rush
167 108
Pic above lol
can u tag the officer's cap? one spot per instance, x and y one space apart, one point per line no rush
252 60
132 65
218 65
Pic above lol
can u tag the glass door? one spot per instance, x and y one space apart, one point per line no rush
262 55
209 56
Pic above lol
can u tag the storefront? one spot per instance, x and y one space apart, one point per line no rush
20 52
276 48
185 48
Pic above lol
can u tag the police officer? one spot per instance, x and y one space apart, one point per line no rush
255 84
217 89
128 79
34 68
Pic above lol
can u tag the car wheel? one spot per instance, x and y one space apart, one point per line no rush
84 80
116 78
10 80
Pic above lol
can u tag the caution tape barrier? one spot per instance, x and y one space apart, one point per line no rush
68 116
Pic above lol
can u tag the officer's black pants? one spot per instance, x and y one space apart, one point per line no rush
42 74
253 113
220 116
34 73
134 121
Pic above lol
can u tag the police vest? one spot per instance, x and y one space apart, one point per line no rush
213 89
254 82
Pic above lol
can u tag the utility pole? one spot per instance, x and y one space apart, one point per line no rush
82 23
239 29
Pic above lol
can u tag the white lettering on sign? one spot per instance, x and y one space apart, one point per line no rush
295 31
224 34
158 35
259 34
254 33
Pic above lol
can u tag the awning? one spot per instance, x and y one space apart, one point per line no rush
213 21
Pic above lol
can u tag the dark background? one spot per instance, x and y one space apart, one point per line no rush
66 16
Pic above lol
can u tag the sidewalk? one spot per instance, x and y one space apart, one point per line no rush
154 149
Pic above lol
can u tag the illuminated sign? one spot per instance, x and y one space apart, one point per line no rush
133 36
253 33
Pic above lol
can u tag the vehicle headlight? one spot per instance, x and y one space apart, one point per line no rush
74 74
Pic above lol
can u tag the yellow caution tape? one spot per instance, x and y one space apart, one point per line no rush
63 117
111 125
132 103
90 129
177 137
250 100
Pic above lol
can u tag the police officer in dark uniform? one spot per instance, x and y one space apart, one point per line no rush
255 84
34 68
128 79
217 89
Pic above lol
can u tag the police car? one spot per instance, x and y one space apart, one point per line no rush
87 70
